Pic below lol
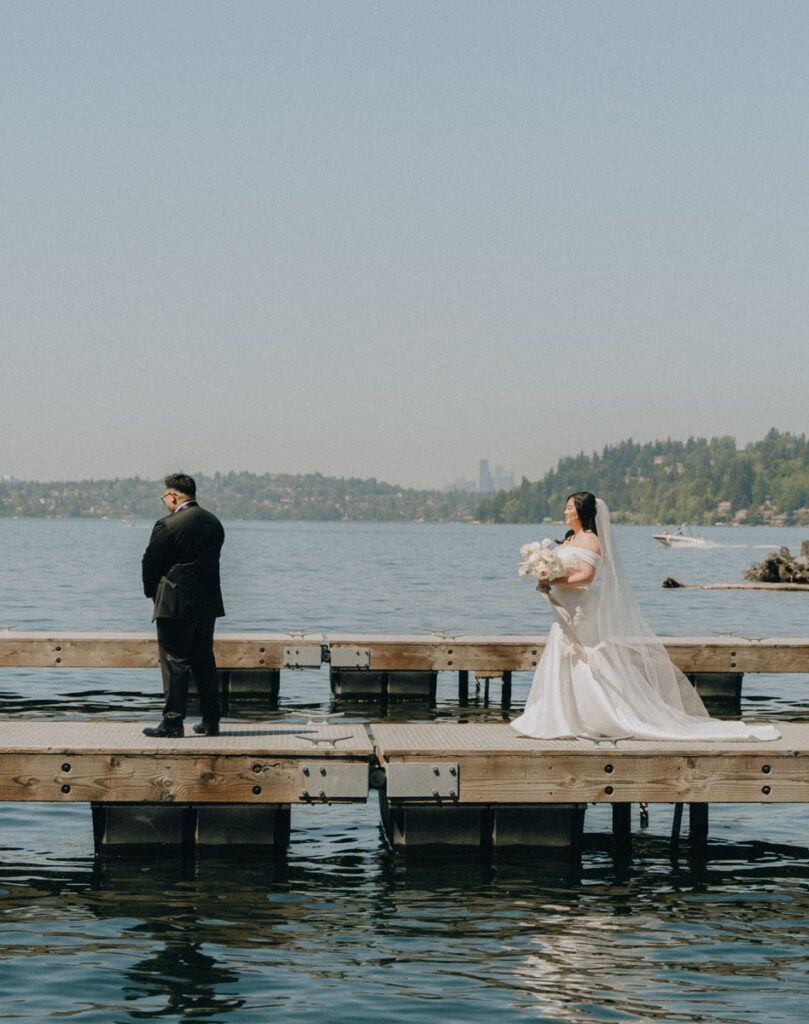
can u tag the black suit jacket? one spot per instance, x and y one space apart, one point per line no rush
181 564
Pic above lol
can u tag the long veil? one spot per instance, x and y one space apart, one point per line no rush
628 636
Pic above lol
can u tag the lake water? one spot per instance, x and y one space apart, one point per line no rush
342 930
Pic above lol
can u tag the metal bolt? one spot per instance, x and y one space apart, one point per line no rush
608 768
65 788
766 769
765 790
65 767
609 790
256 790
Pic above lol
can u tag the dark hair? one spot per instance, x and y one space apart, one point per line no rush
585 503
183 483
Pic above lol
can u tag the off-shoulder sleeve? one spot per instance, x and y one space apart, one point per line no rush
586 556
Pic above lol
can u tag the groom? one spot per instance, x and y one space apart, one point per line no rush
181 575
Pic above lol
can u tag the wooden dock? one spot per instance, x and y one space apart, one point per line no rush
101 762
194 794
389 668
92 761
451 784
496 765
139 650
383 652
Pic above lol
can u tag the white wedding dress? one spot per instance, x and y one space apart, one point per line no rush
597 679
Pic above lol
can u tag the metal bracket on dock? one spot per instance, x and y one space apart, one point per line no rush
322 781
350 657
423 780
303 656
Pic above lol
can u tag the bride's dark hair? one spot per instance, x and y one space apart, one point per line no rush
585 503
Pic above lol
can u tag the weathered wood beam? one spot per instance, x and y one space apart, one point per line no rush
101 762
495 766
481 654
496 654
139 650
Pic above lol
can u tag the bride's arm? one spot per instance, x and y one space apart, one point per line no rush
585 573
581 577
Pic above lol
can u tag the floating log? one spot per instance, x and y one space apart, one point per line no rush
670 582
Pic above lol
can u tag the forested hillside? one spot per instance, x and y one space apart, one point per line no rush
695 481
240 496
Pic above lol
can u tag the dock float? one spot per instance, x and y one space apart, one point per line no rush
440 784
194 791
511 790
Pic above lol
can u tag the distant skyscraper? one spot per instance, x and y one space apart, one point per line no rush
485 482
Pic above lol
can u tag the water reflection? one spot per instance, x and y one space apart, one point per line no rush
342 922
178 979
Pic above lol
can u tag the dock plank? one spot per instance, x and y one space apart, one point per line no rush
139 649
498 766
114 761
519 653
394 652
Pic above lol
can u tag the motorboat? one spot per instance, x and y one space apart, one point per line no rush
681 538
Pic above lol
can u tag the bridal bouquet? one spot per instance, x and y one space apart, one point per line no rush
545 563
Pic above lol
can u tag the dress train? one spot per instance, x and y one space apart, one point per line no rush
586 686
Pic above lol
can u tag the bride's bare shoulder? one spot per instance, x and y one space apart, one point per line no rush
589 541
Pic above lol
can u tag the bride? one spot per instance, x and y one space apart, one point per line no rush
603 672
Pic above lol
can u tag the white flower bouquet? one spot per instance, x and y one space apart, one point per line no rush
546 563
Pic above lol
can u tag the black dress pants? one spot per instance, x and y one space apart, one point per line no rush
186 652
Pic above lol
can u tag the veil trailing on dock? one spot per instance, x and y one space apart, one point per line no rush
634 647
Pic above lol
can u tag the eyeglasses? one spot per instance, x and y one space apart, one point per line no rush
168 494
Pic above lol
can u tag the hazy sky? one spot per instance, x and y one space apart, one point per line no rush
391 238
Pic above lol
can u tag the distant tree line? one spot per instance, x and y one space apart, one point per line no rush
240 496
696 481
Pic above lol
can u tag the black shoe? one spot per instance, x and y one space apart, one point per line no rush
168 727
204 728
